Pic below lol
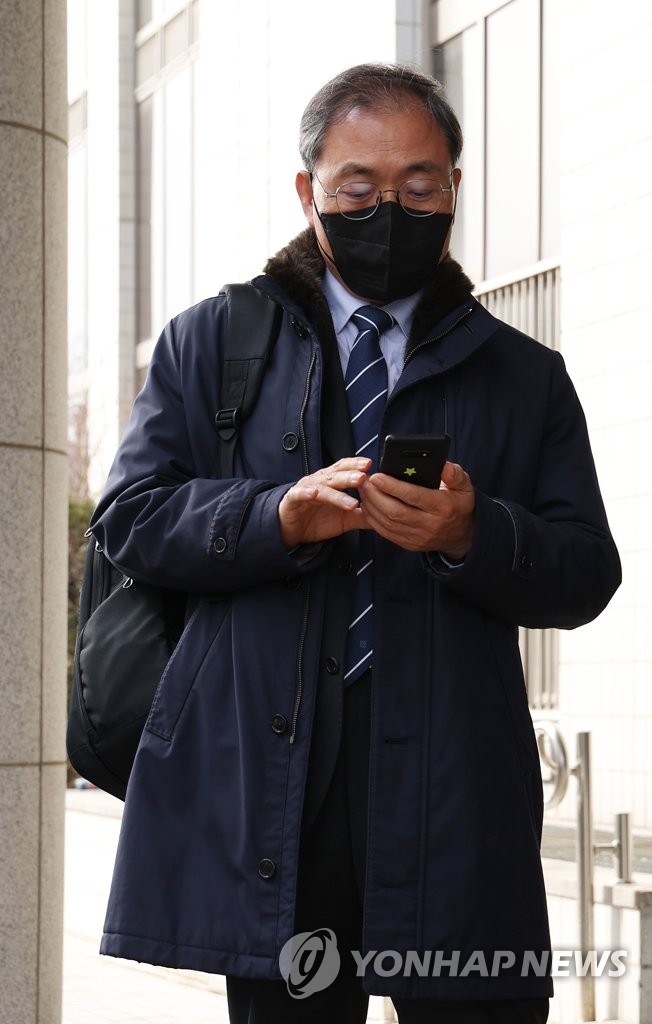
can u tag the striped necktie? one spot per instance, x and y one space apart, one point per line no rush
366 392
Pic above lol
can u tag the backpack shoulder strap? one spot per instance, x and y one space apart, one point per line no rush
253 323
99 578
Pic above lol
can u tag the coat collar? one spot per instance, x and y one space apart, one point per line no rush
299 268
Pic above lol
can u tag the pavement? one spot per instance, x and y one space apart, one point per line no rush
104 990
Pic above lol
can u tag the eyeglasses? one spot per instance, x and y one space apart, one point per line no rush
359 200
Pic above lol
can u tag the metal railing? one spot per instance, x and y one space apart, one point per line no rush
556 773
530 303
540 655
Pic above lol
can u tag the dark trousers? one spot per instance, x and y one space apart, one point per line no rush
329 895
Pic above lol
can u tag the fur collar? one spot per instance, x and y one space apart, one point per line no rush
299 268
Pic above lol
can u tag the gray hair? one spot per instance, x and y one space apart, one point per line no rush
373 87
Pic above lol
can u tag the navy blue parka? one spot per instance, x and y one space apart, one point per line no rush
206 870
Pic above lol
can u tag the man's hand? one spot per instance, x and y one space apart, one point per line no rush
421 519
317 507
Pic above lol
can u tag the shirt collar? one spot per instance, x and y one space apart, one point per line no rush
343 305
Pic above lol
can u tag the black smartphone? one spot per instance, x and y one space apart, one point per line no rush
417 459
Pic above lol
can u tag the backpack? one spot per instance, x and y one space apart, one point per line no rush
127 631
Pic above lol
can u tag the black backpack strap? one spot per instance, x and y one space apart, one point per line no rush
253 323
100 577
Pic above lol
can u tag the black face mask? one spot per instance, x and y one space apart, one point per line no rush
389 255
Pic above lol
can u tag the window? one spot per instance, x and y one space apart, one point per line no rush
144 214
77 259
165 210
458 65
143 13
177 204
512 141
165 71
500 71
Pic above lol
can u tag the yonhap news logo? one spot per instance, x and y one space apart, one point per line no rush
310 962
558 963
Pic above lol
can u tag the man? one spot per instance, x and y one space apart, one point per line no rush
342 739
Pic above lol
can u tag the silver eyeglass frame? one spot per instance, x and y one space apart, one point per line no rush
380 192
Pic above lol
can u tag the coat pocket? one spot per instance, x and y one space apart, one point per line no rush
197 639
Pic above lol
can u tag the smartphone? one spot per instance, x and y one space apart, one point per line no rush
416 459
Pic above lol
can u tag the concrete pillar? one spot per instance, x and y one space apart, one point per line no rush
33 487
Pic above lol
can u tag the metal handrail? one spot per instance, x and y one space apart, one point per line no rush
553 757
582 771
554 760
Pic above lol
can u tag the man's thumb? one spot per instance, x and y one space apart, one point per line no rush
453 476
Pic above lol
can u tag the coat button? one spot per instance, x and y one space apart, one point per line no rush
219 546
290 441
346 568
279 724
266 868
332 666
526 563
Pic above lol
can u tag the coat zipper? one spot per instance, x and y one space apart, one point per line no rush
304 624
437 337
306 394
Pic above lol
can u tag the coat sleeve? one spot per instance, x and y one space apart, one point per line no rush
160 522
553 563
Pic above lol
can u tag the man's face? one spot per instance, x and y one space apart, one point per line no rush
385 147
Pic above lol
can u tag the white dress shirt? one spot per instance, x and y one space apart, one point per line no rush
343 305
